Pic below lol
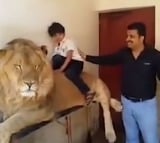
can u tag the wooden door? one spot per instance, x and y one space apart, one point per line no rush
112 35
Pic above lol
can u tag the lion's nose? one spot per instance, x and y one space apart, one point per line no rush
29 83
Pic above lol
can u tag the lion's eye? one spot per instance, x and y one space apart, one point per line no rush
18 67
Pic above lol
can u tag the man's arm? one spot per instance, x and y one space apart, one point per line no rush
113 59
157 63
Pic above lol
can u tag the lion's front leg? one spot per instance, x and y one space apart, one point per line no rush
22 120
4 136
109 130
103 97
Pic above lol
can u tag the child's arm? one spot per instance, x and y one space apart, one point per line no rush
67 61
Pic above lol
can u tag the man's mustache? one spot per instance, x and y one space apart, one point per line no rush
129 41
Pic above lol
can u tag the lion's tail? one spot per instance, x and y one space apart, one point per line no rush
116 105
104 95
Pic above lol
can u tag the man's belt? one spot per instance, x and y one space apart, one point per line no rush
134 99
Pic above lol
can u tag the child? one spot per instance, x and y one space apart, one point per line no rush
66 59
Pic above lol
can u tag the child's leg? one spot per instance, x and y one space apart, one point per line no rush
73 73
77 80
57 61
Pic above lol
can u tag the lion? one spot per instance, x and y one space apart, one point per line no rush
31 92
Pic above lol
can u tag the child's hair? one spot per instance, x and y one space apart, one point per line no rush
55 28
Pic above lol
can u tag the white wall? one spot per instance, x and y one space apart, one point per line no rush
103 5
114 5
30 19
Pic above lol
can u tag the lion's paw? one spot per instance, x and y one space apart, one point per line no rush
116 105
111 137
4 136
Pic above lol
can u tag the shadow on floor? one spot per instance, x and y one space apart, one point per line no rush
99 137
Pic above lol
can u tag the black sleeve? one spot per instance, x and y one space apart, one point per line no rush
113 59
157 63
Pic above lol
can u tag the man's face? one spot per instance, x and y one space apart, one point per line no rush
134 40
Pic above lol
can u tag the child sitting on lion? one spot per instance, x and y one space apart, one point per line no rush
66 59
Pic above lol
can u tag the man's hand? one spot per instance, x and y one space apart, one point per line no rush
82 54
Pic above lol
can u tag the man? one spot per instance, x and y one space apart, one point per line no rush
140 65
66 59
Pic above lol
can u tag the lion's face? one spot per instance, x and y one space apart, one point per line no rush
27 69
23 70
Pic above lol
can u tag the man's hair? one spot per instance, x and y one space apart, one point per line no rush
55 28
139 26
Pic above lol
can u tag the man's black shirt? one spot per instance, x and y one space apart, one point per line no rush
139 75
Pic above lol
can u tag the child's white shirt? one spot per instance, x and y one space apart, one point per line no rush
66 45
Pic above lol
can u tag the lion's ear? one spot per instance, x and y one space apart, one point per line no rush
44 49
4 56
2 53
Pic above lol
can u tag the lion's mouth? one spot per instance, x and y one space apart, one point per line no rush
28 93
